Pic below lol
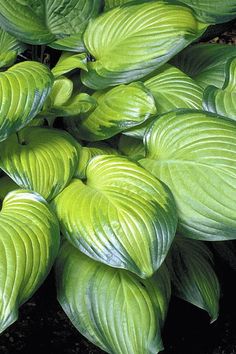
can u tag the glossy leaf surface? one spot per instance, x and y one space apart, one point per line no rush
23 90
121 215
41 22
119 109
131 41
29 242
106 304
194 153
44 160
223 101
194 279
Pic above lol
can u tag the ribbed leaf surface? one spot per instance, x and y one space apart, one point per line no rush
121 215
23 90
41 22
111 307
44 162
9 48
90 151
194 279
223 101
173 89
119 109
194 153
29 242
205 63
131 41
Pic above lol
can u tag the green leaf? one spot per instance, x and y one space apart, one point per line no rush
121 215
191 268
114 309
131 147
23 90
29 236
131 41
64 101
194 153
109 4
6 185
216 11
119 109
43 160
41 22
205 63
173 89
10 48
223 101
68 62
90 151
207 11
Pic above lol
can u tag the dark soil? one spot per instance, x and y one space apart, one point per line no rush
43 327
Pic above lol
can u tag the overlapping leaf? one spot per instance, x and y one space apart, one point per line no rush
131 147
23 90
121 215
117 110
111 307
171 89
205 63
6 185
131 41
44 160
223 101
10 48
90 151
29 242
194 279
207 11
216 11
64 101
194 153
41 22
69 62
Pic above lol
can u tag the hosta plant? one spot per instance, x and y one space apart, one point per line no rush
117 158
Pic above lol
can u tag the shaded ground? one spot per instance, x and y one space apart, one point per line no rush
43 327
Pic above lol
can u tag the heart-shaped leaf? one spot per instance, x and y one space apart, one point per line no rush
112 308
10 48
23 90
205 63
29 242
119 109
194 279
131 41
223 101
194 153
44 160
121 215
41 22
